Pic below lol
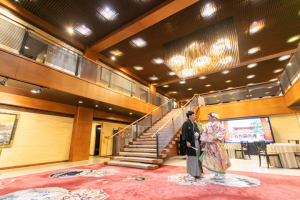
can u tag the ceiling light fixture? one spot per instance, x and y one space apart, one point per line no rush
202 77
138 68
165 86
250 85
172 73
108 13
139 42
274 79
208 85
202 61
26 47
230 88
190 89
70 30
158 60
256 26
153 78
37 91
80 102
278 70
174 92
208 10
270 87
284 57
267 92
228 81
96 106
130 113
252 65
289 64
253 50
225 72
4 82
182 81
116 52
113 58
226 60
83 30
250 76
109 108
293 39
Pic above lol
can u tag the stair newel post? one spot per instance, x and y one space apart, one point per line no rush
137 133
157 145
151 119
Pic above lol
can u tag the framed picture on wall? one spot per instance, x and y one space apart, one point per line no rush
8 126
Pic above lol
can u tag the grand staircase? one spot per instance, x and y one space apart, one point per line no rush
142 151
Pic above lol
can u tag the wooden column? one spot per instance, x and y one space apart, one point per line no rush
81 135
152 90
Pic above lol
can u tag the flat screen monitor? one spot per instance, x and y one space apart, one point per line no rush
248 129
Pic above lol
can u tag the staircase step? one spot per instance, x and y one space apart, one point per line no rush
148 142
144 139
147 136
138 150
132 164
138 159
146 155
141 146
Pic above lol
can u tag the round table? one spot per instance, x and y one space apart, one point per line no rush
286 153
230 147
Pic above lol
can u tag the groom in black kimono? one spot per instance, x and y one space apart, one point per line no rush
191 142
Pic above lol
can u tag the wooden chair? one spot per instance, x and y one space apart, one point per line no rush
296 141
244 148
261 149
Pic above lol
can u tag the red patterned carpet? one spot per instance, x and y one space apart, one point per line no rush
97 181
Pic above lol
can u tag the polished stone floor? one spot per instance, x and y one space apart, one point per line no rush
237 165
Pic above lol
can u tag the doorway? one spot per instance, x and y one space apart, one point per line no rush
97 140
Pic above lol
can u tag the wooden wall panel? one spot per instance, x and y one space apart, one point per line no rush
81 135
9 65
33 72
27 102
39 138
293 94
258 107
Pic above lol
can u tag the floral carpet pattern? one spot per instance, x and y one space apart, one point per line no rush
232 180
56 193
84 173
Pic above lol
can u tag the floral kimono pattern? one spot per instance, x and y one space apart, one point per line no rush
215 157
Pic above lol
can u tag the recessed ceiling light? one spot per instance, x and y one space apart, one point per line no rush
284 57
252 65
130 113
139 68
79 101
215 96
230 88
250 76
113 58
153 78
172 73
278 70
202 77
293 39
208 10
274 79
225 72
226 60
212 91
116 52
228 81
232 98
108 13
256 26
208 85
110 109
190 89
158 60
253 50
289 64
139 42
165 86
83 30
71 30
270 87
33 91
174 92
267 92
26 47
182 81
250 84
96 106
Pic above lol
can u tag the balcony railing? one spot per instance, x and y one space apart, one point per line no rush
21 40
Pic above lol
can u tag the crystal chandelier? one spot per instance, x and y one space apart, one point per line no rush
205 51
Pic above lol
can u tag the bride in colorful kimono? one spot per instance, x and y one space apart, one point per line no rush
215 157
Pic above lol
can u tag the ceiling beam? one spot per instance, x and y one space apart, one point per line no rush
148 19
28 16
268 57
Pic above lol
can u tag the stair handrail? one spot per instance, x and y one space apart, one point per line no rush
138 120
174 116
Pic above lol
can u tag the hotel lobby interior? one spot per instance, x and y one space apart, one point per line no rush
94 96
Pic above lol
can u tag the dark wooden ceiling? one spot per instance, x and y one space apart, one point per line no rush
72 13
24 89
282 21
